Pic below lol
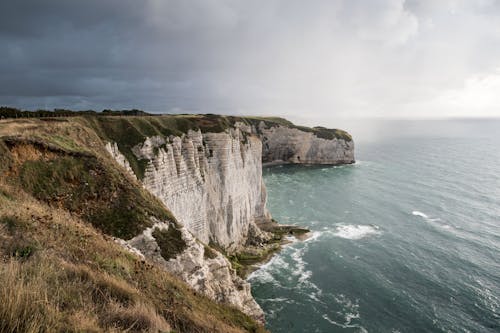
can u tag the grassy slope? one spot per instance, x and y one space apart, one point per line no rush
61 198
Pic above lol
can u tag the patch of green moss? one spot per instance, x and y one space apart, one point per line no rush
208 253
170 242
63 142
330 134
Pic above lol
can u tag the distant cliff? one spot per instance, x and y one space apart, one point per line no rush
283 144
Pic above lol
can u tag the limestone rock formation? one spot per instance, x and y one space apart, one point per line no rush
209 273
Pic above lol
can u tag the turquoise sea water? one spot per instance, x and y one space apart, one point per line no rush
405 240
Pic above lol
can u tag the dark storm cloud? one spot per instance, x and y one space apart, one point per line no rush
90 53
310 59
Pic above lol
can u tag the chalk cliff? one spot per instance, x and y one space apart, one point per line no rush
212 183
291 145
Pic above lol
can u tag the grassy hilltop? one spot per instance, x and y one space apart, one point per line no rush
62 199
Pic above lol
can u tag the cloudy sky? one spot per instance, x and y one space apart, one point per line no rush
303 59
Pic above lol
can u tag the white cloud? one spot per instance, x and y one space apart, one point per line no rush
479 96
386 21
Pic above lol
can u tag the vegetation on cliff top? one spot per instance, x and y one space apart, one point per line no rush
129 128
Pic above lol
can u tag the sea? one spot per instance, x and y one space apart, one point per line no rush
407 239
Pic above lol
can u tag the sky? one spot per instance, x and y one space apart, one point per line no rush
305 60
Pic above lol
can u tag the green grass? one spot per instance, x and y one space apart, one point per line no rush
330 134
63 142
170 242
87 187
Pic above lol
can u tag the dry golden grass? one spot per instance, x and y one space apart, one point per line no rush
24 303
139 317
79 280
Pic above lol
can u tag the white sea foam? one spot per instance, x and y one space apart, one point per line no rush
356 232
264 273
300 266
291 262
313 237
345 325
425 216
417 213
278 299
303 276
432 220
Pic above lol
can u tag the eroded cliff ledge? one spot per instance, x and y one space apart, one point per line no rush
207 170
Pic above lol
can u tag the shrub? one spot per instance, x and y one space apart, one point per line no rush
170 241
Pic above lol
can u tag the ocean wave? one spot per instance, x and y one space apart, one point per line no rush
417 213
355 232
313 236
435 221
290 263
425 216
300 271
302 274
264 273
350 313
277 299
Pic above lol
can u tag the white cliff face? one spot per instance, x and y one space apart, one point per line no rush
213 276
211 182
291 145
